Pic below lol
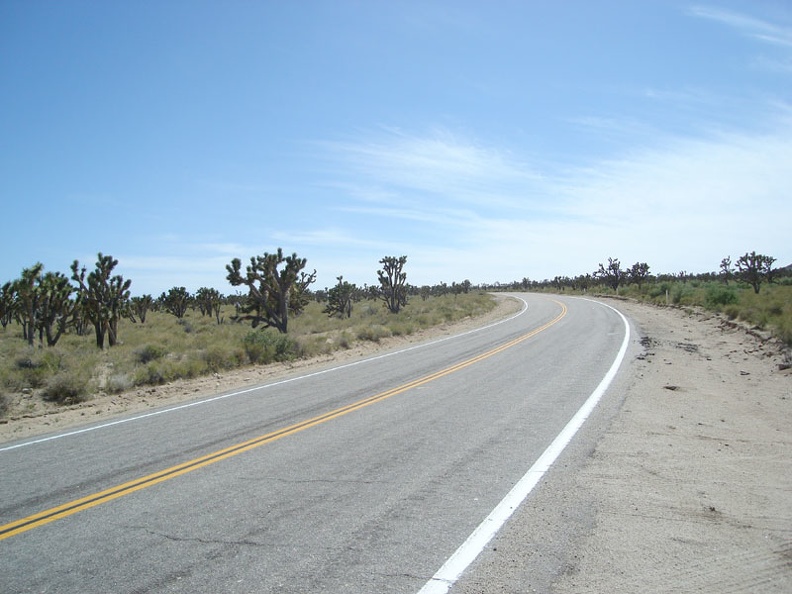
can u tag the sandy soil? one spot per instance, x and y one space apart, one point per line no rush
680 482
691 486
687 489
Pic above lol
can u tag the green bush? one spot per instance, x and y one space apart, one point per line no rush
149 352
219 358
681 294
266 346
150 374
719 295
658 290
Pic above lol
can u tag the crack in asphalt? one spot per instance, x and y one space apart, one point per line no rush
198 540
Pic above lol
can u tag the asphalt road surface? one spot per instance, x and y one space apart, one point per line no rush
364 478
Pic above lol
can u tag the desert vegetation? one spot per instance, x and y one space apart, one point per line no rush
47 350
49 319
750 290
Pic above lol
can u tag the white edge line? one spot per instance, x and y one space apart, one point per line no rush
453 568
260 387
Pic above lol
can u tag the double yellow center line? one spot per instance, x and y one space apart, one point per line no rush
78 505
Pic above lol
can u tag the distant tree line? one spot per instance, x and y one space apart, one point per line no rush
46 305
275 287
751 269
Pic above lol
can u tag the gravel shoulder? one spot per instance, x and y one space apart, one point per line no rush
682 483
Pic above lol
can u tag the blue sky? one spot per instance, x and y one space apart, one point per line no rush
488 141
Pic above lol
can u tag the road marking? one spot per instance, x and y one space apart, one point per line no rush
260 387
84 503
453 568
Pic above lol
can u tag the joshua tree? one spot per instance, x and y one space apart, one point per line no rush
638 273
56 307
26 298
103 298
276 286
141 306
755 268
612 275
393 283
339 299
727 272
209 302
176 301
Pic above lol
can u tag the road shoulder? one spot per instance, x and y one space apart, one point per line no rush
681 481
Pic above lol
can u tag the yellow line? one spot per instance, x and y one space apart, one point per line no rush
78 505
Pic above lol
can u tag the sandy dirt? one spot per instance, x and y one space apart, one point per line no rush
691 486
684 485
688 488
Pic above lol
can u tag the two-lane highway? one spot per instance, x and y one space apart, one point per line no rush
362 478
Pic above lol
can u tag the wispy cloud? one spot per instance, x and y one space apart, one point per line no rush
441 164
783 66
328 238
747 25
681 202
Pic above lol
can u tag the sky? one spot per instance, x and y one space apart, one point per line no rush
488 141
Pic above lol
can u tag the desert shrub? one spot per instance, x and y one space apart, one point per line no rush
150 374
373 332
681 294
775 309
167 370
219 358
33 368
4 405
149 352
368 309
266 346
784 330
717 296
345 340
732 311
119 382
313 346
402 328
28 373
66 387
186 368
658 290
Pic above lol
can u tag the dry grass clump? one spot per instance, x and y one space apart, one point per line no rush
66 387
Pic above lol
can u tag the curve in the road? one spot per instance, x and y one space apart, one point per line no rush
452 569
70 508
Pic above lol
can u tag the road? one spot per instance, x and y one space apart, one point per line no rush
359 479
